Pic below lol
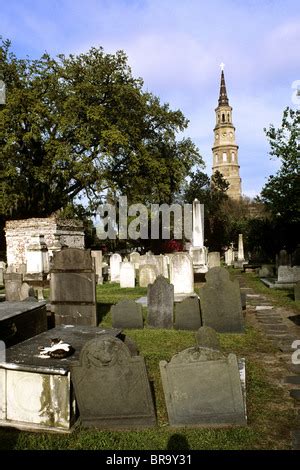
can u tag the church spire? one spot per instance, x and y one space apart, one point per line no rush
223 98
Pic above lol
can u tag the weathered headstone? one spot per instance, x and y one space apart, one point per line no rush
13 284
26 291
297 291
127 314
220 301
214 259
288 274
206 337
115 265
134 258
97 256
283 259
229 256
187 314
2 271
266 270
202 387
147 274
181 273
160 303
112 387
73 288
127 274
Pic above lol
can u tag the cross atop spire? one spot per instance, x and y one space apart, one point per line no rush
223 98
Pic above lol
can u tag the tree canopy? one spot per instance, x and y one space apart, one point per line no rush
281 193
83 124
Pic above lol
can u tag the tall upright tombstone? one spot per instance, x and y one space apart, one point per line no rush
134 258
229 256
127 274
283 258
181 273
220 301
97 256
147 274
198 251
13 284
160 303
115 266
214 259
73 288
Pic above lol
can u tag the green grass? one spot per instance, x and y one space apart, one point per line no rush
270 416
279 297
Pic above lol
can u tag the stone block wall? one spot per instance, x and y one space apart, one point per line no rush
19 232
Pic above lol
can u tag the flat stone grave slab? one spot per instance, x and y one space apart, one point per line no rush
112 387
294 379
295 394
21 320
36 392
264 307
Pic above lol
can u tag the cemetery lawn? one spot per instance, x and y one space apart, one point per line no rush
270 413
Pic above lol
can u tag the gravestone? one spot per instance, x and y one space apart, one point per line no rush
36 255
127 314
283 259
297 291
214 259
147 274
206 337
202 387
288 274
73 288
229 256
135 259
127 274
26 291
115 265
160 301
112 387
13 284
241 256
2 271
220 301
266 270
187 314
97 257
181 273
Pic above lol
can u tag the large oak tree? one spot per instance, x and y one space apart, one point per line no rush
82 124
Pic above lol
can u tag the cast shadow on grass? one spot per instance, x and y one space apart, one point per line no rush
178 442
102 311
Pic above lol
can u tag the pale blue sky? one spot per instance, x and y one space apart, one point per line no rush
176 46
